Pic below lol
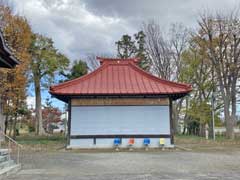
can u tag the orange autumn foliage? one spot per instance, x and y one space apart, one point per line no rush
17 34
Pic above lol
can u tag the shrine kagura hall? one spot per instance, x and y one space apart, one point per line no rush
119 101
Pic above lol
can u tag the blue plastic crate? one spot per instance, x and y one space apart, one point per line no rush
117 141
146 141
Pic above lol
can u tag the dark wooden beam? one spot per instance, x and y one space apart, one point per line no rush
105 136
66 97
4 63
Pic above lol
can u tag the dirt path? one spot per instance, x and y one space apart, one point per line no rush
197 164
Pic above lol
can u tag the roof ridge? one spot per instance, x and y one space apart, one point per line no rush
117 60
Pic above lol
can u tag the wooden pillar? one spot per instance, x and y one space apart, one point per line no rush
69 121
171 121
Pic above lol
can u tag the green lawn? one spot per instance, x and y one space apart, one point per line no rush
31 139
197 139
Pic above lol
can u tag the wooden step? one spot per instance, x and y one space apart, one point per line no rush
4 151
9 170
6 164
4 158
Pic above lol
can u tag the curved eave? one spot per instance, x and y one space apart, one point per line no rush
67 97
8 62
7 59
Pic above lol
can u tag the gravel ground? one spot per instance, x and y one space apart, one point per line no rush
179 165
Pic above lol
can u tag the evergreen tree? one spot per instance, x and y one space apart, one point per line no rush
129 47
141 52
126 47
45 62
78 69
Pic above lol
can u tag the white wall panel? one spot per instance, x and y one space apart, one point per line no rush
97 120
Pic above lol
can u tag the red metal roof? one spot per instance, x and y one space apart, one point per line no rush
119 77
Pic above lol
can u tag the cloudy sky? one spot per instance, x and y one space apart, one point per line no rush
80 27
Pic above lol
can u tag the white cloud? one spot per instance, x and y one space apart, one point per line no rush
75 30
79 27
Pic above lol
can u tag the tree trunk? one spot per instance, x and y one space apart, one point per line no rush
229 127
10 127
175 118
184 130
185 119
228 121
6 123
14 126
234 107
38 102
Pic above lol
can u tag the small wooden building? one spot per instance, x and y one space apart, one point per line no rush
119 100
7 60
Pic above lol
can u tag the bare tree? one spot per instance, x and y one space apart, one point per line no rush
159 50
220 35
165 51
92 61
179 40
179 37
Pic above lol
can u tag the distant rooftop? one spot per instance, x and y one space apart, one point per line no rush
7 59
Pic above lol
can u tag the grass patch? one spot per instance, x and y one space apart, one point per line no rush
223 138
47 140
189 137
197 139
